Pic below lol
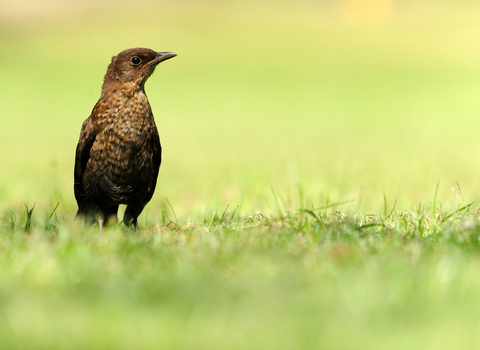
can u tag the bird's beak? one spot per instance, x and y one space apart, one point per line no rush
162 56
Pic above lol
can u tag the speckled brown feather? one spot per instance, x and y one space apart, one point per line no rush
118 155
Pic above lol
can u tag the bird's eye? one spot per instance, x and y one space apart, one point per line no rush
136 60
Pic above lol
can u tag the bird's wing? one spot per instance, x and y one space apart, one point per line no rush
157 159
157 155
87 137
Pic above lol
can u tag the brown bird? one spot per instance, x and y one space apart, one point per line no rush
118 155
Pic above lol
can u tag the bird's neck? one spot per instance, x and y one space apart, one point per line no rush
121 98
122 91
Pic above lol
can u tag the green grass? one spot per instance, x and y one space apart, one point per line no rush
306 279
319 187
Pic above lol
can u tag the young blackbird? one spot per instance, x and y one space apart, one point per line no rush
118 155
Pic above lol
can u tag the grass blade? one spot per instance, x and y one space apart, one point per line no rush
28 222
173 211
435 199
223 215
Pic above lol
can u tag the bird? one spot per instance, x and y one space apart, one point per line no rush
118 155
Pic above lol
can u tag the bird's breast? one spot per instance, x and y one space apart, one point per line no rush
124 145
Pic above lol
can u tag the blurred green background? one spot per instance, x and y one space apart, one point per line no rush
319 100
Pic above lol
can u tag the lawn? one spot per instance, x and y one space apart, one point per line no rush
318 188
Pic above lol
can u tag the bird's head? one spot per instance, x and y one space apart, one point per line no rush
134 66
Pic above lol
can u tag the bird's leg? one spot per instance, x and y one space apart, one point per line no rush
110 214
130 217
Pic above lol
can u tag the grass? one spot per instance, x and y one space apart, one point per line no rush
302 279
319 187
